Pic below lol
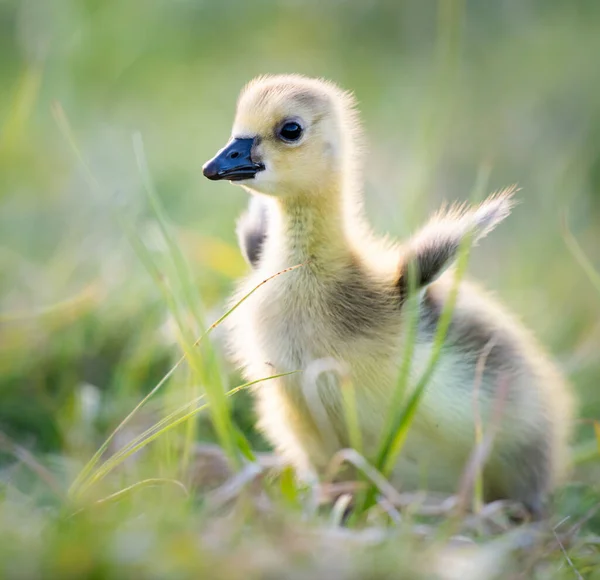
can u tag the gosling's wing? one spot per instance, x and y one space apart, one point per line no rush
435 247
252 230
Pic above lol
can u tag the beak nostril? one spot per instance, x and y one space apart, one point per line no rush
233 162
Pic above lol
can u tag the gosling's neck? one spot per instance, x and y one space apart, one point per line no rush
314 228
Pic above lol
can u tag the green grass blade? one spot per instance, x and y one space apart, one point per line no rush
397 431
89 466
389 453
148 262
412 306
67 132
388 459
580 256
150 482
179 261
153 433
351 412
288 487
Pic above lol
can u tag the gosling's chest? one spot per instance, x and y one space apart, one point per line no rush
292 322
301 316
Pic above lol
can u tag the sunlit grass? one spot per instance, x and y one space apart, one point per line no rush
511 83
205 368
171 421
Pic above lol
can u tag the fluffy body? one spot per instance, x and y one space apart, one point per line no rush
346 304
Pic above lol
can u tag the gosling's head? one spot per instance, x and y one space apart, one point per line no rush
292 135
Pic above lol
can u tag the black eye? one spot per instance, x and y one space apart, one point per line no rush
290 131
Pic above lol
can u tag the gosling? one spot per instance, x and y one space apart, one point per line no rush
294 148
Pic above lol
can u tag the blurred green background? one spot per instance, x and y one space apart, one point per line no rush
511 88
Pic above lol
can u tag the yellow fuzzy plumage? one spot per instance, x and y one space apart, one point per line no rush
345 304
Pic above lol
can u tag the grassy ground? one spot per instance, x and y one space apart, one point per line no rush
116 255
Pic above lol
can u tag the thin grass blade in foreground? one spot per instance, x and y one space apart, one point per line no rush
366 498
412 307
579 255
179 261
368 471
227 434
150 482
472 478
7 445
348 400
387 459
190 296
85 472
181 297
67 132
154 432
20 107
351 413
478 475
400 421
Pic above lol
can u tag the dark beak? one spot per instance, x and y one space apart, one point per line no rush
233 162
